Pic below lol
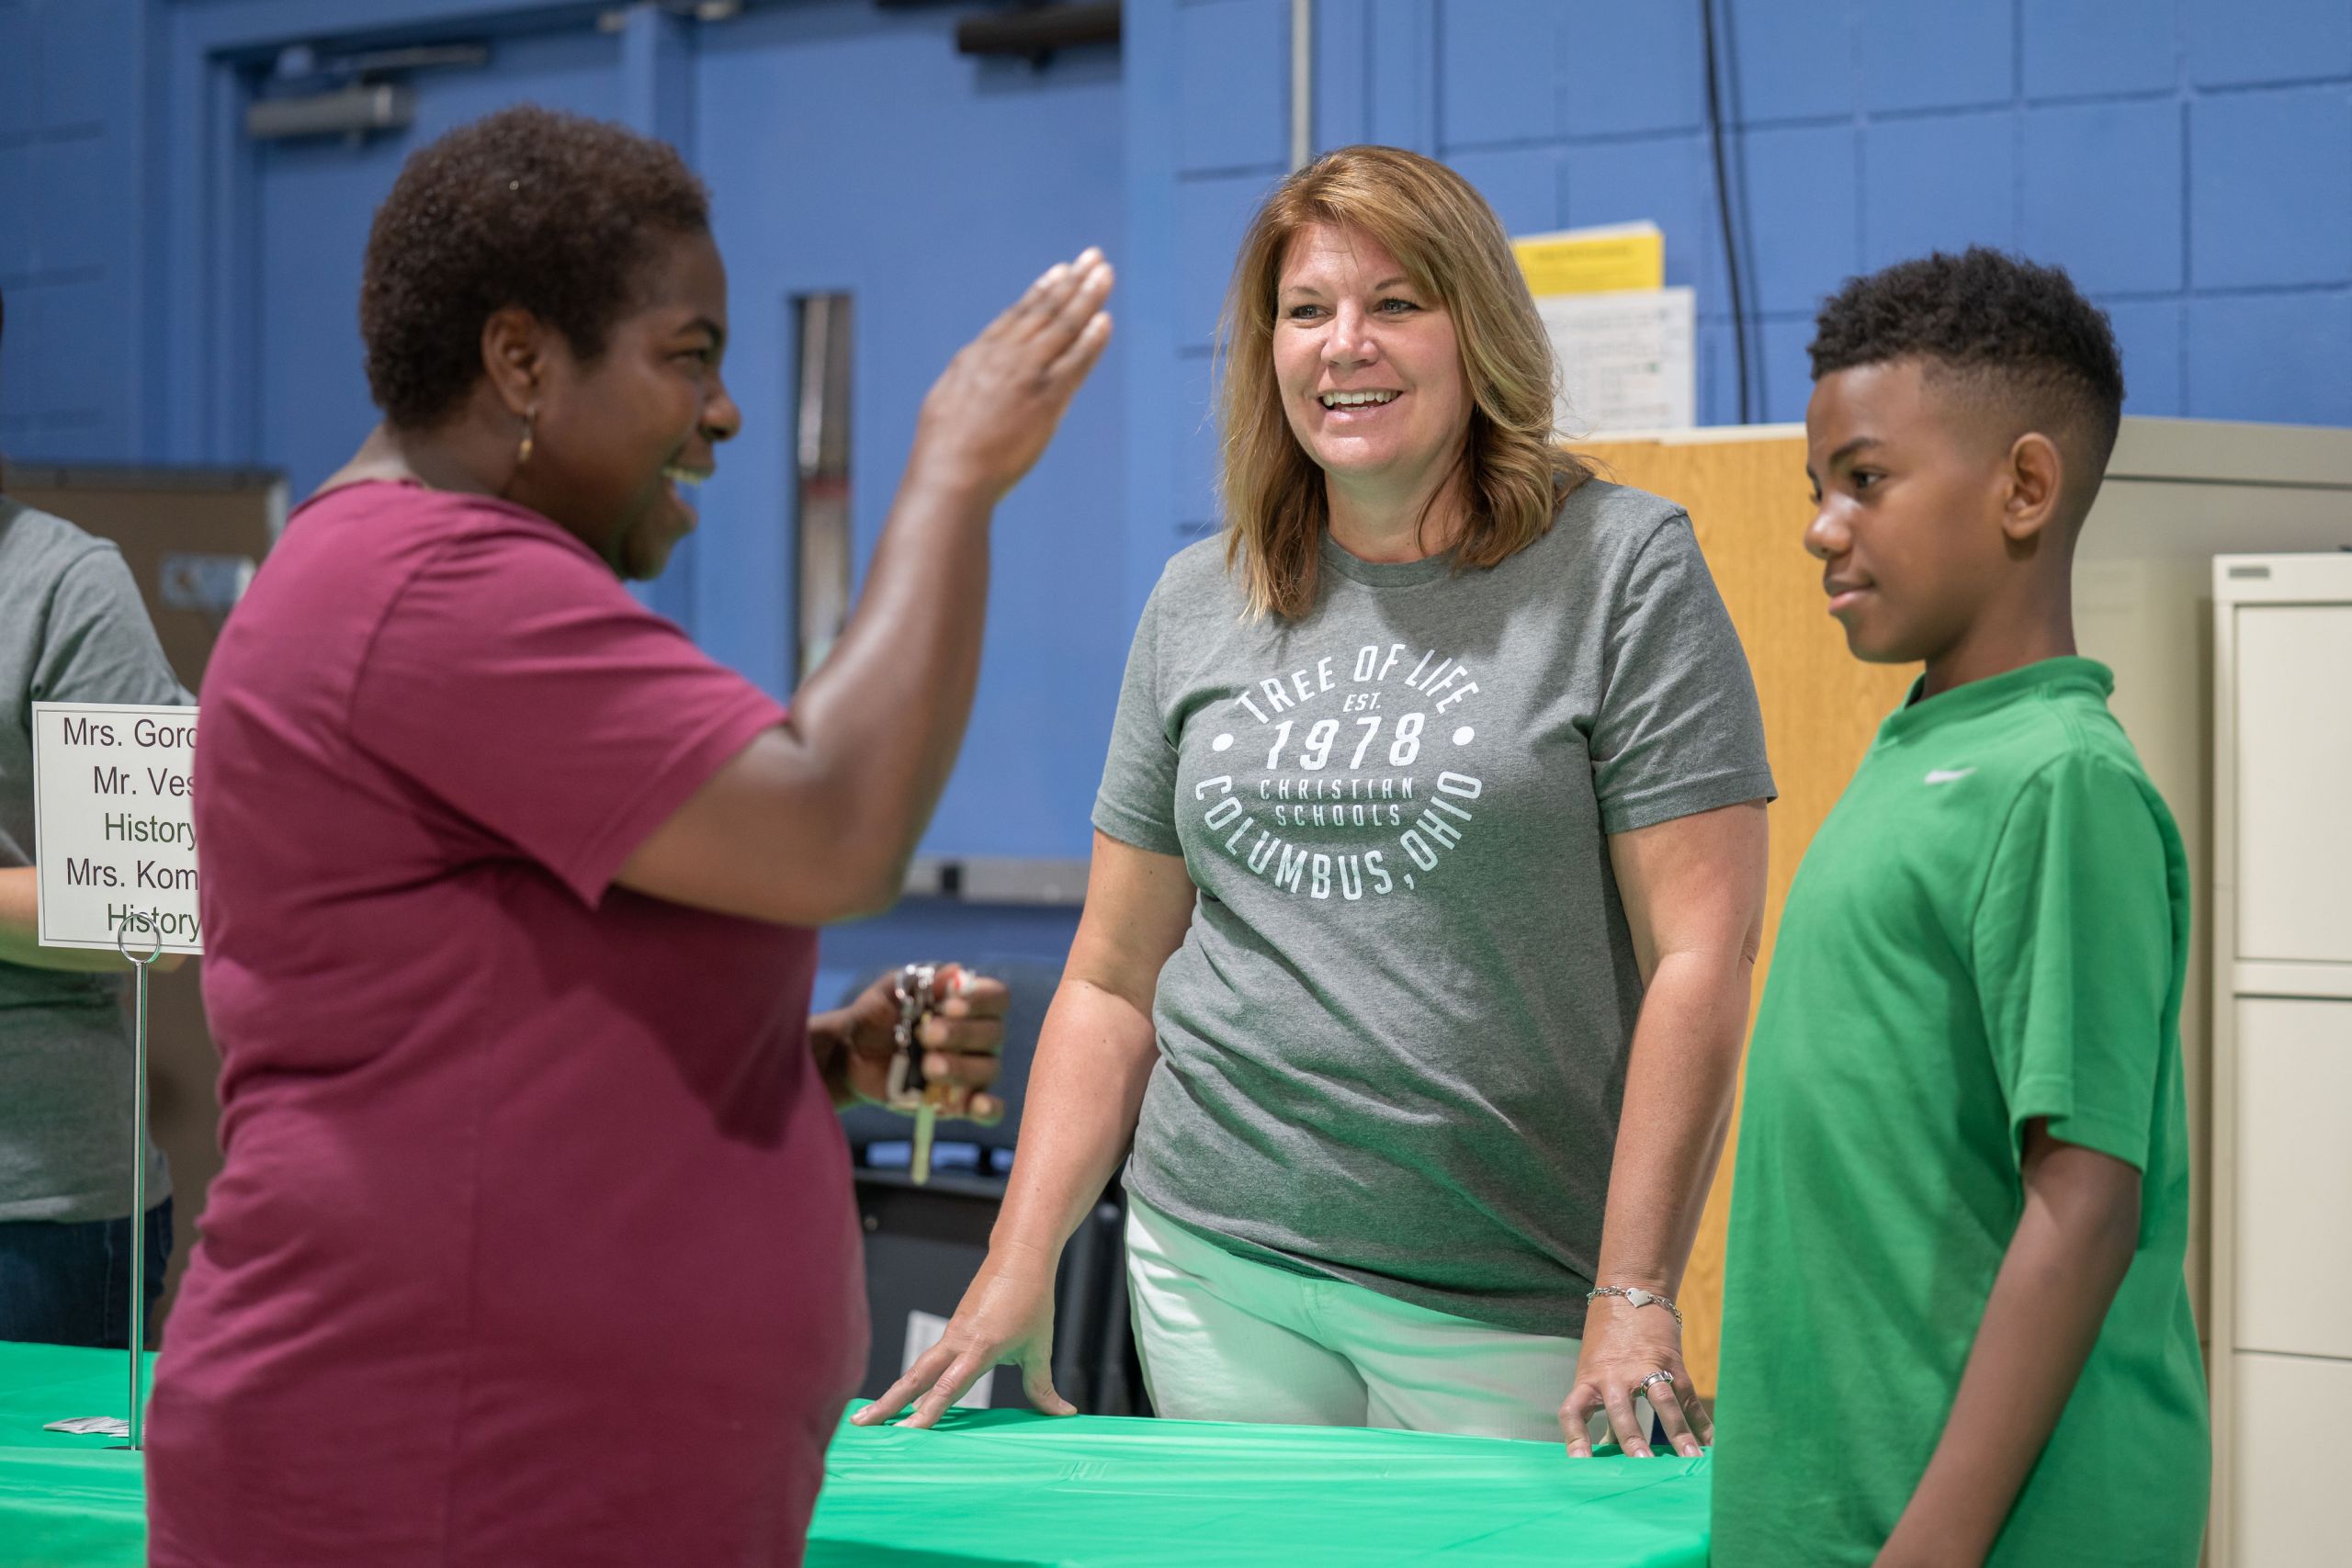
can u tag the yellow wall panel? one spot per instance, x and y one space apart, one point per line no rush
1749 503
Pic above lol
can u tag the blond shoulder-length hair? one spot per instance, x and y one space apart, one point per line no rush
1453 248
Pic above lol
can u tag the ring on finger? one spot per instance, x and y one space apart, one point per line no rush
1661 1375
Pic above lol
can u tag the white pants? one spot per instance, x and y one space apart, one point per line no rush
1223 1339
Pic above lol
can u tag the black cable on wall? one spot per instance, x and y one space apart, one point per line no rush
1723 203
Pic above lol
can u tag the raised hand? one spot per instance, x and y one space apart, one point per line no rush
992 413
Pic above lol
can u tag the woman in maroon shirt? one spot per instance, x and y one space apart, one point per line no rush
533 1242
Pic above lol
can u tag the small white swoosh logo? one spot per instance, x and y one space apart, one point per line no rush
1948 775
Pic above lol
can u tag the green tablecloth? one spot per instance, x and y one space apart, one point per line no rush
1008 1488
63 1499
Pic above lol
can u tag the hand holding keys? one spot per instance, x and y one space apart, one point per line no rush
916 992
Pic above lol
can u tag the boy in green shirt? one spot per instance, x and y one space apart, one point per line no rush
1956 1328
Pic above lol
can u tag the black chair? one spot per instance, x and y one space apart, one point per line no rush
925 1244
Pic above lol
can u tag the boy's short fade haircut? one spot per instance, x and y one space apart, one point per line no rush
2020 336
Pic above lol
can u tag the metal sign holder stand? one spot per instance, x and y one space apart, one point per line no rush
134 1428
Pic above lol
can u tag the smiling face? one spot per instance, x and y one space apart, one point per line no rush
1369 367
614 434
1909 493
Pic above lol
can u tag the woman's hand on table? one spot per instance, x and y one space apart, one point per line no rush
1007 1315
1623 1344
990 413
962 1039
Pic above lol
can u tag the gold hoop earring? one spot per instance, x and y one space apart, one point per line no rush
523 452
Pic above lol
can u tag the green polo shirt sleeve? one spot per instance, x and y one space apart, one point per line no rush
2072 953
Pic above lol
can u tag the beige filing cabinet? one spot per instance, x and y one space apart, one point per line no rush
2281 1351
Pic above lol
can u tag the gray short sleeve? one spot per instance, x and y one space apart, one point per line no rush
101 647
1678 729
1136 804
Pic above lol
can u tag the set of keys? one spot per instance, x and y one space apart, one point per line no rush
908 1088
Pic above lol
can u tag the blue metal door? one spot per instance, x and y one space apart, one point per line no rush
315 198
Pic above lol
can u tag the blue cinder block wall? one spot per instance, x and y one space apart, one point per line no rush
2188 161
176 294
73 120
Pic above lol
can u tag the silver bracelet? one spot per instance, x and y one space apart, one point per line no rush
1635 1296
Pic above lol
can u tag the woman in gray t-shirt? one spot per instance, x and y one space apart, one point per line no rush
1427 880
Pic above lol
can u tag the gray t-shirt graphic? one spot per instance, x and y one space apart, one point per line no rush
1393 1042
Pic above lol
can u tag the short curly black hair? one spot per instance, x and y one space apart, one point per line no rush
551 212
2019 334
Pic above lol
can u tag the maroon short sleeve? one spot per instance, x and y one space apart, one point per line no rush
516 680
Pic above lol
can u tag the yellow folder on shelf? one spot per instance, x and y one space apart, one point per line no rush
1606 260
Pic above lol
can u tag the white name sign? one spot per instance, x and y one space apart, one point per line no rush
114 826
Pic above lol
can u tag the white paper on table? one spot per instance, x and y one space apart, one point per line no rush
1627 361
91 1425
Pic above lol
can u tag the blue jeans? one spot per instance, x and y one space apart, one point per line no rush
70 1283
